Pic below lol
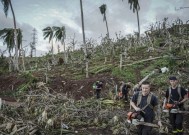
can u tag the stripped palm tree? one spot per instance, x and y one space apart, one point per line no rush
7 4
84 42
103 12
60 35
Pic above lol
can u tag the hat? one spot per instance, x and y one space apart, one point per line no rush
172 78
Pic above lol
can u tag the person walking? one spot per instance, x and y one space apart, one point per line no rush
124 89
146 103
97 86
175 95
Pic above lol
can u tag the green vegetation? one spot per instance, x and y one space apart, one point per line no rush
104 58
125 74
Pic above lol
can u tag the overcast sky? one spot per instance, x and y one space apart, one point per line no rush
39 14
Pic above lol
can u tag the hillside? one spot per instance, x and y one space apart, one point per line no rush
56 98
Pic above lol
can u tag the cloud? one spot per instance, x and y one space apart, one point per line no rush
5 22
40 14
27 31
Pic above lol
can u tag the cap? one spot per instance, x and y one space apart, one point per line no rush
172 78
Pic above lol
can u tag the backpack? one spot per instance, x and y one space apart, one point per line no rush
95 85
149 98
178 90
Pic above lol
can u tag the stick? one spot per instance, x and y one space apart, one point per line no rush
148 124
177 111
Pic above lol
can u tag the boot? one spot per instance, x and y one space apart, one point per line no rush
179 132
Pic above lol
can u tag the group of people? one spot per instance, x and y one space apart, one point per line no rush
175 95
148 105
124 89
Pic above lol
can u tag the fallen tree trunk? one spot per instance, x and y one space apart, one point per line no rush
137 62
10 103
14 104
144 79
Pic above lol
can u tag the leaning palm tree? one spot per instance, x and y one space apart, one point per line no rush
7 4
103 12
60 35
134 5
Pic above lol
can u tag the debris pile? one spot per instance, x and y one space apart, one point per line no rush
43 111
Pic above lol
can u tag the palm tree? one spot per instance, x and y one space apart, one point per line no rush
134 5
7 4
7 35
84 42
49 33
103 12
60 35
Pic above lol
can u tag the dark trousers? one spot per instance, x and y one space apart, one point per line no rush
144 130
176 120
98 93
125 96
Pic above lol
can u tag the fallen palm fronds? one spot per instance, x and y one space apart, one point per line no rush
44 111
101 68
13 104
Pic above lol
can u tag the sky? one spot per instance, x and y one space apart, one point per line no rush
40 14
